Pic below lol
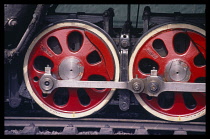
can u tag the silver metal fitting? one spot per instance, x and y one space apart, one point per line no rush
12 22
136 86
46 84
153 87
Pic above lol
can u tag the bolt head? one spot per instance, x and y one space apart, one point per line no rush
47 83
124 43
12 22
153 87
136 86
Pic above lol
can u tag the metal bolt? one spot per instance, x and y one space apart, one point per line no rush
47 83
124 43
124 106
136 86
153 87
107 126
12 22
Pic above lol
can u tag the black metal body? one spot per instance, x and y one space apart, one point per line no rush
150 19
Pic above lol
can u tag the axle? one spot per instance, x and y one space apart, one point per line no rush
152 85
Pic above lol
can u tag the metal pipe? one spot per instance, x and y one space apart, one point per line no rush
137 17
9 54
128 12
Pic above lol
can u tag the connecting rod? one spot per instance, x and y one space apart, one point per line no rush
152 85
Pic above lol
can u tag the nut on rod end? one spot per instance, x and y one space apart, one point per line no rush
47 69
136 85
153 72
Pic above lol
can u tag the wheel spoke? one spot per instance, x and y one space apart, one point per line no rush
179 101
198 40
73 104
168 38
139 74
54 60
61 35
150 53
48 99
191 53
36 73
197 72
96 96
87 47
43 51
200 99
152 102
96 69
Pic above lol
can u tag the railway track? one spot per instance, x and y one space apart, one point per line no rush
31 125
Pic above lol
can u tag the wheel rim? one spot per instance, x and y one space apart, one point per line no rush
74 52
160 48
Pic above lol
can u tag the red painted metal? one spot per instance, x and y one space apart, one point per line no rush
91 42
197 44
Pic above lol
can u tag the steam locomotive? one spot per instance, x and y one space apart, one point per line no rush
74 64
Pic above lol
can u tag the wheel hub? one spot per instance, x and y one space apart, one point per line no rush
177 70
71 68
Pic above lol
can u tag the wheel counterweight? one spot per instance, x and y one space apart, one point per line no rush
75 50
178 52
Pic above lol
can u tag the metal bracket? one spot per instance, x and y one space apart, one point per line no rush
70 130
124 95
106 130
30 130
152 85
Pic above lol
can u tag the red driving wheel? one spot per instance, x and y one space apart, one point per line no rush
75 50
178 52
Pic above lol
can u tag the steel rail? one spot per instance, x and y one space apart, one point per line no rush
102 122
